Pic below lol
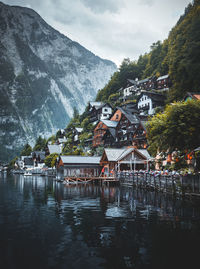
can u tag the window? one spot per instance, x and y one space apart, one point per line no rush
117 117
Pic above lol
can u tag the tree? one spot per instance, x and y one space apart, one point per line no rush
176 129
184 53
40 144
26 150
50 160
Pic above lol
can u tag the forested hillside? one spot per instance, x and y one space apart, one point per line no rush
178 55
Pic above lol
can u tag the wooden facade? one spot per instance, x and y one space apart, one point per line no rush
164 82
99 132
128 158
129 130
78 166
139 137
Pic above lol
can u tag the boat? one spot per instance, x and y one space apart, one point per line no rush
28 173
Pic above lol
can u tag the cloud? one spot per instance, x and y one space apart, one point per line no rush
146 2
102 6
112 29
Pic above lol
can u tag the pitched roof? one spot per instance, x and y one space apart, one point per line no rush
79 130
54 149
143 80
96 104
129 115
127 151
132 81
62 140
80 159
193 95
145 153
162 77
110 123
113 154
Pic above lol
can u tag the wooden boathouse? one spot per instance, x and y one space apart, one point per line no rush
129 158
78 166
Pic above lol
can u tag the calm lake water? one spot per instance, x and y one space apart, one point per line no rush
46 224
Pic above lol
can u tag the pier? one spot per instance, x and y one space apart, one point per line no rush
93 179
174 184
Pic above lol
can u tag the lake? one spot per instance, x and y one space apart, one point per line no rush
46 224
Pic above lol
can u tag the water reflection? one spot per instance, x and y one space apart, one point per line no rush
87 226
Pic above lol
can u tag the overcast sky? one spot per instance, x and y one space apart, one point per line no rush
112 29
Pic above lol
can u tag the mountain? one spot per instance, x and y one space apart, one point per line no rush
43 76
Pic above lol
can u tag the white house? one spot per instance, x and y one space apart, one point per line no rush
148 101
106 112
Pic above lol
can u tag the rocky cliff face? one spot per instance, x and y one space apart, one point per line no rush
43 75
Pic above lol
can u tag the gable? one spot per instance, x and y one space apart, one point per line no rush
100 125
104 157
132 154
117 115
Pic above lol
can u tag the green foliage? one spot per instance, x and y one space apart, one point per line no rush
40 144
75 113
184 53
178 55
11 164
128 69
155 58
50 160
26 150
73 150
177 128
52 139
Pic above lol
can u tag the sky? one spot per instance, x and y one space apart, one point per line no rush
111 29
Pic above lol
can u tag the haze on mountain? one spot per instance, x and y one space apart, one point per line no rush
43 76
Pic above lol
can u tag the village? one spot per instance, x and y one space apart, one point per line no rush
118 140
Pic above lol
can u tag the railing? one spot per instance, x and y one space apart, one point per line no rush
176 184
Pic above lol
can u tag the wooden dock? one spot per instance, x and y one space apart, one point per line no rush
187 185
84 179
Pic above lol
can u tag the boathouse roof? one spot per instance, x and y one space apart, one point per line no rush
114 155
80 160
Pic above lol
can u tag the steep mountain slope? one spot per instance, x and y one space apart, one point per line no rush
43 75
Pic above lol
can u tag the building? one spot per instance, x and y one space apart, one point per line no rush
123 159
139 139
131 89
148 101
129 121
100 131
55 149
192 96
99 111
76 134
164 83
78 166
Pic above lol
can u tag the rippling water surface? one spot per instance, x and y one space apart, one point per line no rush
45 224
